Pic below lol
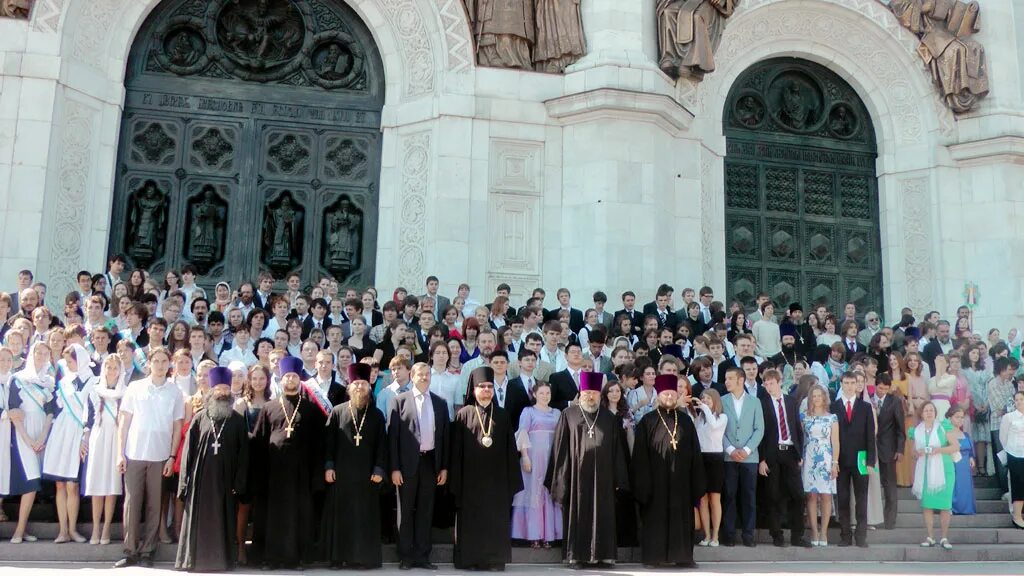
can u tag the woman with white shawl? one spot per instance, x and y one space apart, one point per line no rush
31 411
69 439
102 479
936 446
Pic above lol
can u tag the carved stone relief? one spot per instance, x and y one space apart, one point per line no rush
148 207
46 15
541 35
207 221
955 61
283 233
416 153
917 243
342 237
73 189
689 32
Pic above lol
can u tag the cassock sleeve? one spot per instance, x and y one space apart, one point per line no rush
188 455
316 459
515 476
459 434
641 464
259 452
558 477
241 483
380 461
621 457
331 439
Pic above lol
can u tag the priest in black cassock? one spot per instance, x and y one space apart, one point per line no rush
588 464
288 448
355 443
484 475
214 470
667 479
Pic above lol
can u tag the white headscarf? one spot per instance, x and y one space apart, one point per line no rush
29 374
82 360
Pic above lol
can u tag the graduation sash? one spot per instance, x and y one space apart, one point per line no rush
70 409
318 396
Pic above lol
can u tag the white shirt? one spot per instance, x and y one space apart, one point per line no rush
154 410
424 419
711 430
556 358
778 424
1011 433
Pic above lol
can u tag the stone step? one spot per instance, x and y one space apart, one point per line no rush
442 554
980 494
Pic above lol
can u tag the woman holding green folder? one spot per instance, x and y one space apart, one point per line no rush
934 478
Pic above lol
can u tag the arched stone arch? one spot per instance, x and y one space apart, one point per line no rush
863 43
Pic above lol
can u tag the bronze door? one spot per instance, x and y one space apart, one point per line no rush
801 196
251 141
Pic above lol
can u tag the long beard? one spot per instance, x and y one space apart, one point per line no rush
219 409
589 407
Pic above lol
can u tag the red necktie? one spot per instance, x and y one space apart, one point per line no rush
849 411
782 422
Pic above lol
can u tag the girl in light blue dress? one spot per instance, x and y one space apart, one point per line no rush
821 462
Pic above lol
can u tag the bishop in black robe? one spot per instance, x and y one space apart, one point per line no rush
588 464
289 453
214 471
667 481
355 445
484 475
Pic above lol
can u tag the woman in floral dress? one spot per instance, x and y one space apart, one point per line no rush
820 462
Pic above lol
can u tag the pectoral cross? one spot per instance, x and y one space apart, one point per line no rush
216 446
288 431
674 443
357 438
590 433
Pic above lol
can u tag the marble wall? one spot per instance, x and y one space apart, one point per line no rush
608 177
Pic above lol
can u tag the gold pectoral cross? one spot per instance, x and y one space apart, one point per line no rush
216 447
288 431
357 438
674 443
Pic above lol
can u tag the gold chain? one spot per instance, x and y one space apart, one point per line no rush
675 426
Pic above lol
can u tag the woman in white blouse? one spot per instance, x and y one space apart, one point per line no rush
442 382
711 424
1011 435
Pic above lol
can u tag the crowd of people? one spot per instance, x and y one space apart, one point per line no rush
311 424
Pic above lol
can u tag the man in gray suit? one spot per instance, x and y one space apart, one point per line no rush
743 433
440 302
604 317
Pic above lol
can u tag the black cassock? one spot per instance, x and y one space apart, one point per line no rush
483 480
667 484
584 473
288 471
351 522
211 477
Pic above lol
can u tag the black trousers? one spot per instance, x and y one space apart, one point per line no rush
785 491
740 491
416 511
848 477
997 445
887 475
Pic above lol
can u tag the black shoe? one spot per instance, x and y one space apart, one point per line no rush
146 561
427 566
779 541
405 565
690 564
126 562
802 542
727 543
845 543
862 544
269 566
749 543
496 568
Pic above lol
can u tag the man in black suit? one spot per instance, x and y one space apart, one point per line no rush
520 388
856 434
890 441
852 346
662 299
264 297
781 450
565 385
941 344
317 318
418 441
575 315
509 394
629 309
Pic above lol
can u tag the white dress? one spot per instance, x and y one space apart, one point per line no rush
62 460
101 475
6 433
33 394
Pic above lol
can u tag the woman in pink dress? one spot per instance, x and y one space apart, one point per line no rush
534 516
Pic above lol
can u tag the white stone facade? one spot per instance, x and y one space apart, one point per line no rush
609 177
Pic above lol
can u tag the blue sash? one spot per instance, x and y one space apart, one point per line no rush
68 408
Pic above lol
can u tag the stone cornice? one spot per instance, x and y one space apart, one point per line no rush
661 110
989 151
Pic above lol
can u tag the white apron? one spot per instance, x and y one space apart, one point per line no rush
62 460
101 475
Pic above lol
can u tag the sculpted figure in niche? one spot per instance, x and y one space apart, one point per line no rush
342 237
147 220
749 111
183 52
794 110
281 233
203 244
560 39
335 64
504 32
689 32
16 8
955 61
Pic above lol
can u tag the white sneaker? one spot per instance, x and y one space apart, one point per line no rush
945 544
703 542
713 544
814 544
1005 497
928 543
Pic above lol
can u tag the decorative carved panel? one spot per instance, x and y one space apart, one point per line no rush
254 167
514 238
516 167
800 189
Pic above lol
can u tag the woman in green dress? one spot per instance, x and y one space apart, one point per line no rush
935 445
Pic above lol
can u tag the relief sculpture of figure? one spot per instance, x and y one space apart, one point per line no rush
342 237
504 31
15 8
147 219
955 61
280 234
560 39
689 32
203 241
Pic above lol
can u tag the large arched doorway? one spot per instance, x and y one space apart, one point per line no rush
251 141
801 196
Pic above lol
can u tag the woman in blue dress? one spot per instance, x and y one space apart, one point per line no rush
820 462
963 485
